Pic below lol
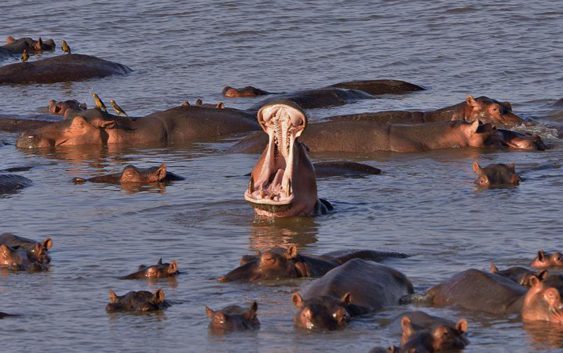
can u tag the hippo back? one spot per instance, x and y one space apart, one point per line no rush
372 286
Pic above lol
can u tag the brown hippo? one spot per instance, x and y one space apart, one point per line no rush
62 68
354 288
545 260
18 259
445 334
502 138
247 91
283 183
12 183
490 293
16 46
178 125
132 174
233 318
484 109
36 251
160 270
520 275
61 107
496 175
140 301
279 263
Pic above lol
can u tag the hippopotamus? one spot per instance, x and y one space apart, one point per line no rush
283 183
179 125
160 270
62 68
544 260
484 109
343 168
132 174
12 183
16 46
518 274
354 288
516 140
496 175
490 293
233 318
18 259
36 251
137 301
61 107
449 334
280 263
333 95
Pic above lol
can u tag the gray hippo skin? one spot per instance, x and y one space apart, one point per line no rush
233 318
12 183
140 302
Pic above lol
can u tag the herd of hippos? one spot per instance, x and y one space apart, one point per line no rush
283 184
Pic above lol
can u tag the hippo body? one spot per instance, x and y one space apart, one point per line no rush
233 318
160 270
139 301
343 168
12 183
36 251
134 175
62 68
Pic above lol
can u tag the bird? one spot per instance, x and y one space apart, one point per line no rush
25 55
65 47
99 104
117 108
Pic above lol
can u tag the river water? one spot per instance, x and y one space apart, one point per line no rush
423 204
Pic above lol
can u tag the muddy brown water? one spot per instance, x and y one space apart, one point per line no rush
423 204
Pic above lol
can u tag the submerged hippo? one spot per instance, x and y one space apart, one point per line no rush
140 301
279 263
19 259
178 125
247 91
160 270
233 318
518 274
61 107
343 168
36 251
12 183
496 175
62 68
283 183
132 174
544 260
490 293
354 288
16 46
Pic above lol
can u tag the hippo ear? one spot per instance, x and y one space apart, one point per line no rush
346 298
159 261
461 326
477 168
220 105
209 312
161 172
406 325
292 252
534 281
159 296
254 306
542 275
297 300
199 102
541 255
112 296
10 39
48 243
471 101
251 313
493 268
108 124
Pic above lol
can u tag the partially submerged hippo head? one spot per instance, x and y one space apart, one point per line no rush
140 301
36 251
18 259
322 313
519 275
516 140
72 132
544 260
496 175
488 110
60 107
283 184
248 91
542 303
233 318
160 270
440 337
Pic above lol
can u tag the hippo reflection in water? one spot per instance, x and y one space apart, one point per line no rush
233 318
140 301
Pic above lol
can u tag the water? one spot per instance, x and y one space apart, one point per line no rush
423 204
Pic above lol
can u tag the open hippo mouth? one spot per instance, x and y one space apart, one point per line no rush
271 182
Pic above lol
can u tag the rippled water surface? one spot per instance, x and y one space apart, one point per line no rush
423 204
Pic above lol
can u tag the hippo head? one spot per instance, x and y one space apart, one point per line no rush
544 260
160 270
132 174
439 337
495 175
233 318
248 91
322 313
60 107
17 259
39 251
283 184
76 131
520 275
542 303
488 110
140 301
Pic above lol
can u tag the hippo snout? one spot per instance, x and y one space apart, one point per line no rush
27 140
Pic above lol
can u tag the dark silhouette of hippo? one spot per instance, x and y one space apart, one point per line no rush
139 301
233 318
545 260
354 288
12 183
518 274
62 68
496 175
134 175
490 293
3 315
18 259
280 263
160 270
36 251
15 46
343 168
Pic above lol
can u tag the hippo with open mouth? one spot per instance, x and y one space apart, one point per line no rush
283 183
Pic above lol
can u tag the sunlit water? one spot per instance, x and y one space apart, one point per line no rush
423 204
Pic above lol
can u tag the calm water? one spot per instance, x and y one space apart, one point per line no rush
423 204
